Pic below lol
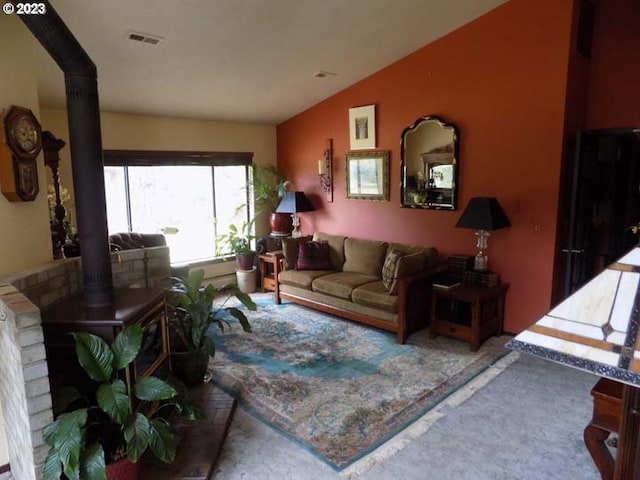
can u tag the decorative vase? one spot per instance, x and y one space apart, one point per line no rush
190 366
245 261
281 224
123 469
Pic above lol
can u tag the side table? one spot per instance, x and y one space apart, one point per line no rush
467 312
269 267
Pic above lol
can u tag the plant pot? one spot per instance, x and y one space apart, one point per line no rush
245 261
123 470
246 280
191 366
281 224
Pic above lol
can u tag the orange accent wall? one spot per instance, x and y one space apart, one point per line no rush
615 66
502 80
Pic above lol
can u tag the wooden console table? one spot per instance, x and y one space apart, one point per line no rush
468 312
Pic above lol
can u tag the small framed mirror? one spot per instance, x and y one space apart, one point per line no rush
429 149
368 175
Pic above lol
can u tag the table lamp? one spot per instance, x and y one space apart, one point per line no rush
294 203
483 214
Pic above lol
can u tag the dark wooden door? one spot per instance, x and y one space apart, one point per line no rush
604 204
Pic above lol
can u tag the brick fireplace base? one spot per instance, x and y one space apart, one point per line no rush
24 378
201 442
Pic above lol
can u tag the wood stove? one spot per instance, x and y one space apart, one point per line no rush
145 306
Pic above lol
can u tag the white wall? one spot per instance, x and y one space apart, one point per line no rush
25 239
144 132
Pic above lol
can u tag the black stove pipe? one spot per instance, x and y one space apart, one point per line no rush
85 142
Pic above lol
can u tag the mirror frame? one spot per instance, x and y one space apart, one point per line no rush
455 161
381 158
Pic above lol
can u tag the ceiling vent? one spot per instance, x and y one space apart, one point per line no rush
322 74
144 37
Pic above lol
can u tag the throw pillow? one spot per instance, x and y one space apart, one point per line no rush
407 265
389 268
313 256
290 250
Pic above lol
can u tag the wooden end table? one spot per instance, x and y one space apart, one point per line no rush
468 312
269 268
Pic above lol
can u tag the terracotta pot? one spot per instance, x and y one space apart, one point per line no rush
190 367
123 470
281 224
246 261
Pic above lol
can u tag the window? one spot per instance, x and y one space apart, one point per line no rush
190 197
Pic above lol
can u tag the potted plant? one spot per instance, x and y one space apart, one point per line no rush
238 241
192 313
96 437
269 187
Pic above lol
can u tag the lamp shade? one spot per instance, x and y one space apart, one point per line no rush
294 202
483 213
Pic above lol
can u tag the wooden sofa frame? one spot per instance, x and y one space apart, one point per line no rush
413 303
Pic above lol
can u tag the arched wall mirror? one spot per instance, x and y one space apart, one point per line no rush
429 175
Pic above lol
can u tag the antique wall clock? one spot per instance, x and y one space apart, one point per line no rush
20 144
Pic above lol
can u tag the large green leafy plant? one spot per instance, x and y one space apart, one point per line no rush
82 440
194 311
268 186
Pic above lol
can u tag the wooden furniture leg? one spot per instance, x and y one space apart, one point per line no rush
594 438
607 408
628 457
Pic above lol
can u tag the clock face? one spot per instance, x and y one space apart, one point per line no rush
25 133
22 133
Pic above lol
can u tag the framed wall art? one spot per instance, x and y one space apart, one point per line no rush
362 127
368 175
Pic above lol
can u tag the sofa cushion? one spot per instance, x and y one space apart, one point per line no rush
390 268
364 256
336 248
407 264
375 295
313 256
290 250
340 284
430 253
301 278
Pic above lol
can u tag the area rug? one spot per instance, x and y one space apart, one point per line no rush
338 388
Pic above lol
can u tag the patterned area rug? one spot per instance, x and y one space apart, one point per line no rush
339 388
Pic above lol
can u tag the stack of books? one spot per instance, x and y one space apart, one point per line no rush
446 282
481 279
458 264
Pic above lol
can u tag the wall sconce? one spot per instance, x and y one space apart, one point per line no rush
324 169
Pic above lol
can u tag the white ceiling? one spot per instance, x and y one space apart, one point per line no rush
243 60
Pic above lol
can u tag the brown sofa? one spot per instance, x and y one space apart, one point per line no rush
130 240
353 286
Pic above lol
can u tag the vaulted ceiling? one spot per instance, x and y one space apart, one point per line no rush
243 60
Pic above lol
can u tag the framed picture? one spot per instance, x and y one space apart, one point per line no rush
368 175
362 127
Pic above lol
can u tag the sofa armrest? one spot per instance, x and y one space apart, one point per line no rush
424 274
413 301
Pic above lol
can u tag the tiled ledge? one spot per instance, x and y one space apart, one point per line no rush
201 441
